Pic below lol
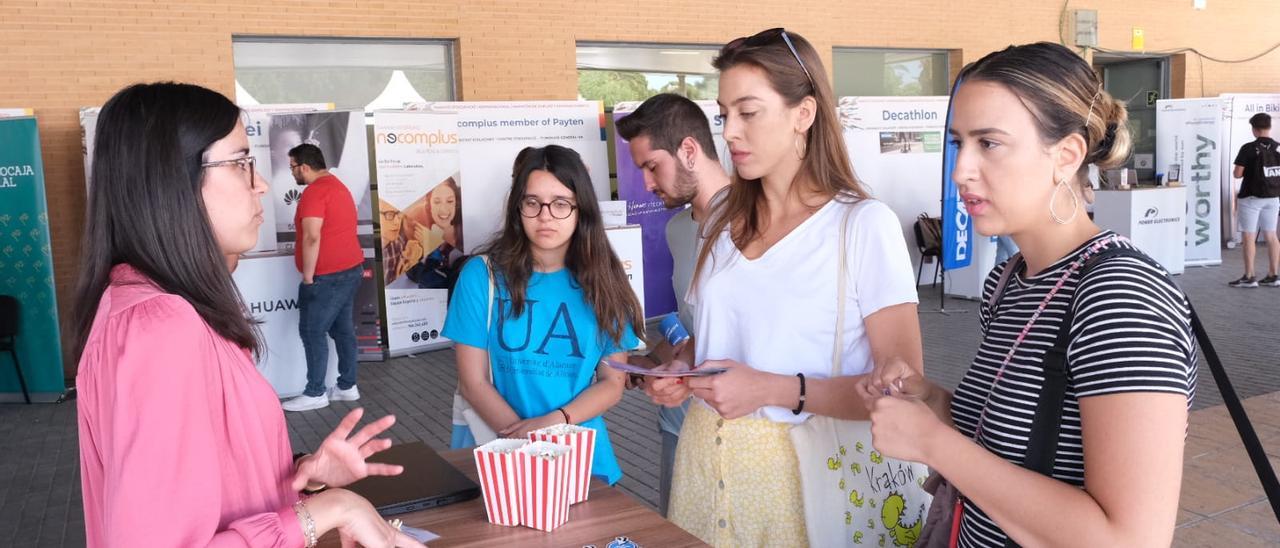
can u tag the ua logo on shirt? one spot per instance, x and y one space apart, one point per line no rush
554 329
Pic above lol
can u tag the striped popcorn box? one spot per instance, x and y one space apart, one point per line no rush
544 485
583 442
496 464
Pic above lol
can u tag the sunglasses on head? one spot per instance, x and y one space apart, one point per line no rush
766 37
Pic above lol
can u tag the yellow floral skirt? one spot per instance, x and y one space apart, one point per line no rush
737 482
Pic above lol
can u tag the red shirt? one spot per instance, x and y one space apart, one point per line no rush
327 198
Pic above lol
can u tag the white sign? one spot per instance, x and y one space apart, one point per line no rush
418 201
614 213
15 112
1237 108
628 245
269 285
88 129
1189 150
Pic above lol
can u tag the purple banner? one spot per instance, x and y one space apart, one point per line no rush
646 210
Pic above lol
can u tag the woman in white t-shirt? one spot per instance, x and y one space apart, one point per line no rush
765 294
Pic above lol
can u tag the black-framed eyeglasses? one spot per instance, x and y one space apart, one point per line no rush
247 164
766 37
560 208
390 215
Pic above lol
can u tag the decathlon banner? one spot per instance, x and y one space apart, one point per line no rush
957 235
26 264
647 211
1189 151
421 218
895 146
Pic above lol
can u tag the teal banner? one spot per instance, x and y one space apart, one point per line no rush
26 264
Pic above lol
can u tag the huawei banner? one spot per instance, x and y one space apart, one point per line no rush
26 264
257 122
419 191
1189 152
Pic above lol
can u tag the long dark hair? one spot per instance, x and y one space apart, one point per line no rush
590 258
146 210
825 166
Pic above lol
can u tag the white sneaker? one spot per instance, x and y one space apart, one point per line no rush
306 403
338 394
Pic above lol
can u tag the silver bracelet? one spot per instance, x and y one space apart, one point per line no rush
308 524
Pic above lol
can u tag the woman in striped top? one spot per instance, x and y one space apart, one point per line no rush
1028 121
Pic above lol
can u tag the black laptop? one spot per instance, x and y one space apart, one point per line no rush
428 481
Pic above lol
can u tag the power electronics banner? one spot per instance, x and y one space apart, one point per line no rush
419 191
1188 150
26 263
343 139
957 234
257 122
490 134
895 145
646 210
1236 132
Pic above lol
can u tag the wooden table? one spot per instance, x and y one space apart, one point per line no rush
607 513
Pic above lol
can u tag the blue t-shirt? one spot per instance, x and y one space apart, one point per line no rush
545 357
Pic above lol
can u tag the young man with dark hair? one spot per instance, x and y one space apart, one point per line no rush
671 143
329 257
1258 202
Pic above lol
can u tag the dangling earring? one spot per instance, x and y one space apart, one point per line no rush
801 146
1075 202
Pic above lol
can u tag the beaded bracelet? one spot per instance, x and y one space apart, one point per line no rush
308 524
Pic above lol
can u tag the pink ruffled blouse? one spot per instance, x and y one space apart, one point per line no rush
182 441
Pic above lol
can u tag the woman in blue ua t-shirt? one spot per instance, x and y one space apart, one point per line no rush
561 303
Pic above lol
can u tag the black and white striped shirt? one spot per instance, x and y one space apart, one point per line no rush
1131 333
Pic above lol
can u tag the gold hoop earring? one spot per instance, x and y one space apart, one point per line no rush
1075 202
801 146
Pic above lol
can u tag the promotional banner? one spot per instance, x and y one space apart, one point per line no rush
895 146
26 264
269 285
343 140
88 128
1237 108
957 237
647 211
419 202
15 112
626 242
490 134
1189 152
257 121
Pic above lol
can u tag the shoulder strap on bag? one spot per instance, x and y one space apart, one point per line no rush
1045 427
1011 267
488 315
837 353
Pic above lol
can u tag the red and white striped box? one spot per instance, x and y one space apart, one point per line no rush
582 441
498 468
544 485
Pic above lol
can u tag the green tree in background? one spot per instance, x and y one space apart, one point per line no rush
611 86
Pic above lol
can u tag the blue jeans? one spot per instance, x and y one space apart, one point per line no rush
325 309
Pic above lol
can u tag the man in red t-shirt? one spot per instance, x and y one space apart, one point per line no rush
329 257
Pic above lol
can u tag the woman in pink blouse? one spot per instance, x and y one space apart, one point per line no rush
182 441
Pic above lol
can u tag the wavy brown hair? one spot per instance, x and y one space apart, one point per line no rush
590 259
825 167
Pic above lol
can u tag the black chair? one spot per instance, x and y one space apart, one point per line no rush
929 242
9 337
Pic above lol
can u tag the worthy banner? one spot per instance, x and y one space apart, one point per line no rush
1189 152
26 263
420 210
647 211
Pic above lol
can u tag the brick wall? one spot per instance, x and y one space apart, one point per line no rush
57 56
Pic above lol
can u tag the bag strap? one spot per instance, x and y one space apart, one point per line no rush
837 353
1012 266
488 316
1043 448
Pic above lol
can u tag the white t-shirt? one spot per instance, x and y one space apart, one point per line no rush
777 313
